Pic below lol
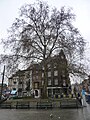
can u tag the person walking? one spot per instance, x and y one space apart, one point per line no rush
84 103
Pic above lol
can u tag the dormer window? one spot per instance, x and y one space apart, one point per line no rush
62 57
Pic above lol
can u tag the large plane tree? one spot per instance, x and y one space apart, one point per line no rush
41 32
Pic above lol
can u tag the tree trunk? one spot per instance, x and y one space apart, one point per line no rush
45 81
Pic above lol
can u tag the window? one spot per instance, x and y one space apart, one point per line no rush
56 81
42 75
19 89
43 68
17 77
20 82
14 82
36 72
55 65
64 83
42 82
36 85
49 66
49 81
30 73
63 73
14 88
56 73
37 77
49 74
56 91
62 57
49 92
34 77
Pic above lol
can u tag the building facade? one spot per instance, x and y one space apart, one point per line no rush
58 80
33 78
19 82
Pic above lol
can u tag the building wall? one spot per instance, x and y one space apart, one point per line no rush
56 75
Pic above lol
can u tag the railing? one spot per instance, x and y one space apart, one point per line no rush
22 105
60 103
6 105
44 105
68 103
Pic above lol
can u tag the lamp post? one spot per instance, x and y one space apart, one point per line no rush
2 82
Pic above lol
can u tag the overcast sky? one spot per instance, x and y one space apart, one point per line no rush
9 10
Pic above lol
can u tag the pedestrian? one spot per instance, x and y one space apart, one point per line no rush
84 103
79 98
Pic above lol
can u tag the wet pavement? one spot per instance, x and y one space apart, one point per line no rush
51 114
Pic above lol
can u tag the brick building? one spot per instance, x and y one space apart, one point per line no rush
32 79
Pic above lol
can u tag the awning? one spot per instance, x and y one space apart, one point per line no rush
13 92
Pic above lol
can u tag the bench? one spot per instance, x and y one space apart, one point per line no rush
6 105
22 105
44 105
69 103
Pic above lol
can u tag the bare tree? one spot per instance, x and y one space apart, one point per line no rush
41 32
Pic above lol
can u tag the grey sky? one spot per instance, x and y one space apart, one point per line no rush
9 10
